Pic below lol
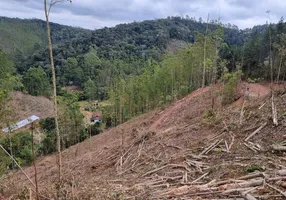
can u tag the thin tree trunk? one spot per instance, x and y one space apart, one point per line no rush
10 142
34 161
270 56
214 70
205 46
279 70
54 94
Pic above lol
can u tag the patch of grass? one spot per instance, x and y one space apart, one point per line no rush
210 118
252 168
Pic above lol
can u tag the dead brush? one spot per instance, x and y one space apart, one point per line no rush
142 135
211 118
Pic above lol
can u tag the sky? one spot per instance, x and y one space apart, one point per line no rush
94 14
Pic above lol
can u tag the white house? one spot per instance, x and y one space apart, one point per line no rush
21 124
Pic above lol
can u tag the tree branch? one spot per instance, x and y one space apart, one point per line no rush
53 2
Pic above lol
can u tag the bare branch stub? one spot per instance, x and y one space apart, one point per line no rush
53 2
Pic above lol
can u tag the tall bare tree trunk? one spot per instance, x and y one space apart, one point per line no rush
279 70
34 162
54 93
270 56
205 46
270 50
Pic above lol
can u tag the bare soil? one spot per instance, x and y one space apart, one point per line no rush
25 105
155 153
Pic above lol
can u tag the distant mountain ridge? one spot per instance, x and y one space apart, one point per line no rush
25 36
137 40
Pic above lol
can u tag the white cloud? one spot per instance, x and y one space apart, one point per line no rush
99 13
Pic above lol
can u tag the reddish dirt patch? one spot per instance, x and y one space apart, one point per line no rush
257 90
169 111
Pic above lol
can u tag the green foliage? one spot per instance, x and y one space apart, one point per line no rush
8 80
48 144
90 90
70 124
70 121
6 66
125 49
229 93
36 82
21 38
95 129
5 161
48 124
160 83
252 168
21 146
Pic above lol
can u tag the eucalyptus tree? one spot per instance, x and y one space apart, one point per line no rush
48 5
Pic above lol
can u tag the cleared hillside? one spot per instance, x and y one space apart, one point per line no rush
25 105
186 151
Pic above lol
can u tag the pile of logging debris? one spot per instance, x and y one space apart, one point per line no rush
245 187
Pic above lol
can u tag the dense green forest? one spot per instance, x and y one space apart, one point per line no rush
125 49
137 67
22 38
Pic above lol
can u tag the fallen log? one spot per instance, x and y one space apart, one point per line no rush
282 184
282 172
236 190
155 170
245 184
274 111
250 147
278 190
256 131
251 176
247 196
241 113
212 146
201 177
278 147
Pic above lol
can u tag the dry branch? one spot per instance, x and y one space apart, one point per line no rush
278 147
201 177
231 143
236 190
211 147
256 131
250 147
282 172
274 111
261 106
242 113
247 196
251 176
278 190
155 170
245 184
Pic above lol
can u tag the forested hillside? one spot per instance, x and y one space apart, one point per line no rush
200 69
125 49
138 66
20 37
158 60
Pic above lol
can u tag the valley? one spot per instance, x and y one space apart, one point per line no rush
165 107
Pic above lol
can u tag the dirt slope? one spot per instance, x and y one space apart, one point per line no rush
25 105
152 155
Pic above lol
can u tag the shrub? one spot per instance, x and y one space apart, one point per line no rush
252 168
229 93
